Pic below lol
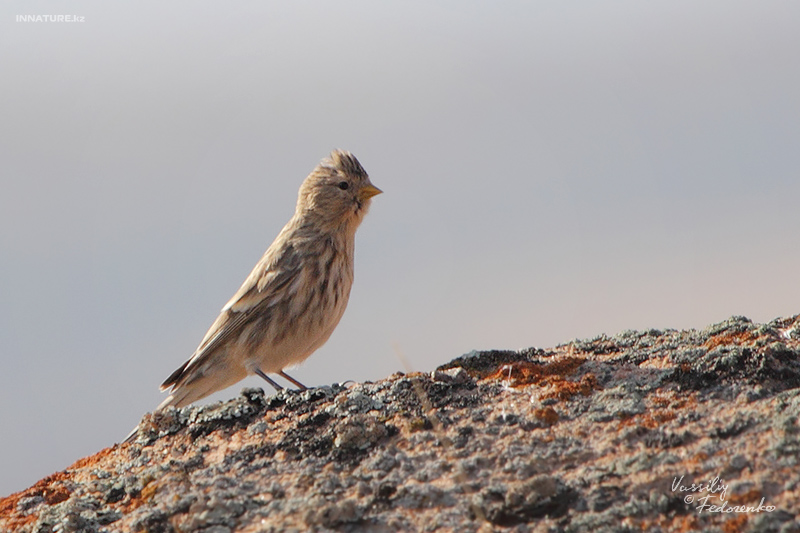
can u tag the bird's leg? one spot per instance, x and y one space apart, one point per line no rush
287 377
268 379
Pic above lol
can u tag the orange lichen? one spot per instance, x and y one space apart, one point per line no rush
751 497
625 419
699 457
686 523
548 415
55 495
553 375
524 373
92 459
664 416
685 401
654 420
16 520
149 491
49 488
674 523
564 390
734 525
661 401
725 339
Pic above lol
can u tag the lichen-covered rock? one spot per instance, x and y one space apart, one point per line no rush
638 431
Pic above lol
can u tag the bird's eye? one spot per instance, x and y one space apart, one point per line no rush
343 185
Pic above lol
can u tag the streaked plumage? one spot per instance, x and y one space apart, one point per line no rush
295 296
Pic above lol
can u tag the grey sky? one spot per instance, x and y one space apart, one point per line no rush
551 170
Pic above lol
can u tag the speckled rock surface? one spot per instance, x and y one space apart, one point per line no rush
643 431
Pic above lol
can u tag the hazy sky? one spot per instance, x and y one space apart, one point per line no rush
551 170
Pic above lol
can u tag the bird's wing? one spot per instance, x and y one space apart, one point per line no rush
264 287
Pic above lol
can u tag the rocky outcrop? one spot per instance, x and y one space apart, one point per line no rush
642 431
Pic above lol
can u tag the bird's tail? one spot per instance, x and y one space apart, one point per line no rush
190 383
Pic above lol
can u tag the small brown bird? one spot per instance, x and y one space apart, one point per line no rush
295 296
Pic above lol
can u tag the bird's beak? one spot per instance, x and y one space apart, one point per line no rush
368 192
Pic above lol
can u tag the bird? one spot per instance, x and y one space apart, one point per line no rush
294 297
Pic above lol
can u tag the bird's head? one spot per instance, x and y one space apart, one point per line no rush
337 193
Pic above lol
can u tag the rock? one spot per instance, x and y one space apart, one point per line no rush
638 431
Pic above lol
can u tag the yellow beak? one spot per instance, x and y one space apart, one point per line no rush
368 192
